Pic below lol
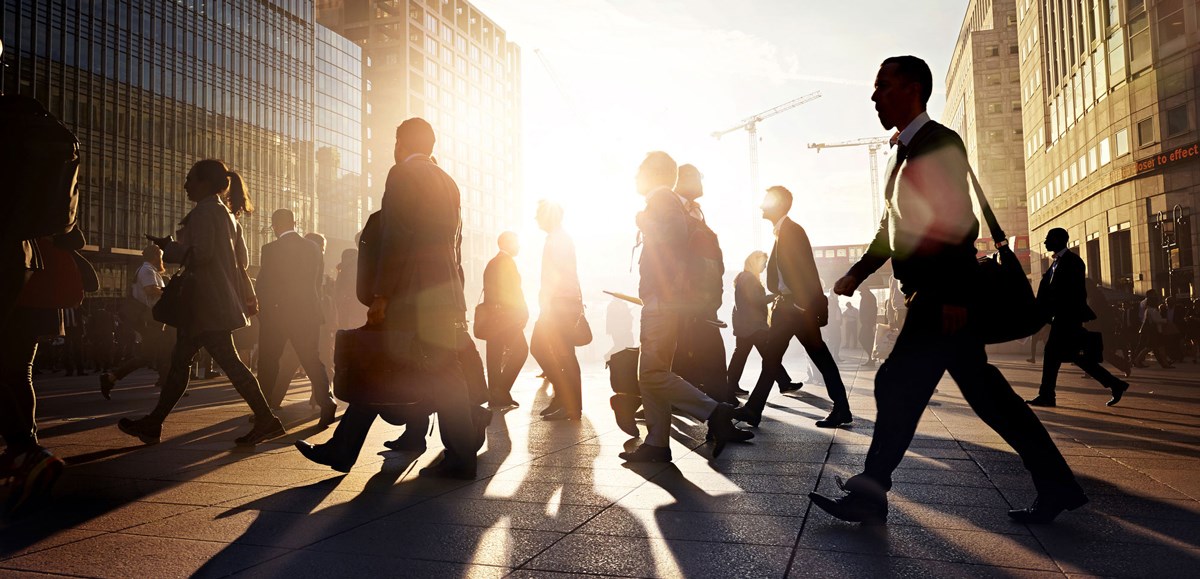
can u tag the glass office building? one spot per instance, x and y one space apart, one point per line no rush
340 195
151 87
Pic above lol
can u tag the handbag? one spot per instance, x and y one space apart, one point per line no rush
174 307
623 372
59 284
1005 308
378 366
487 320
581 333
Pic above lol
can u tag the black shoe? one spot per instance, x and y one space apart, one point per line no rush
1117 392
148 431
1044 510
263 430
1042 401
33 473
551 408
743 414
624 407
502 406
444 470
741 391
560 414
853 508
721 428
328 411
836 419
320 455
794 386
647 453
407 443
107 382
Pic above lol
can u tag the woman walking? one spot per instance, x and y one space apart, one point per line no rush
750 321
553 341
210 246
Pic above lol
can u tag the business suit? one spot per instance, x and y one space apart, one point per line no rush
929 232
1062 299
289 297
416 267
792 275
506 348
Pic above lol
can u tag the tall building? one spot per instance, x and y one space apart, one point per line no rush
983 104
1110 110
445 61
151 87
341 202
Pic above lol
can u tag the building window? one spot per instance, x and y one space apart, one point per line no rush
1122 143
1105 152
1177 121
1120 251
992 79
994 108
1015 106
992 50
1116 58
1012 49
1145 131
1171 25
1139 42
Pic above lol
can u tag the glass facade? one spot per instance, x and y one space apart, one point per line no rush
341 209
151 87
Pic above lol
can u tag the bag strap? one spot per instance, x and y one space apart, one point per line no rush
999 239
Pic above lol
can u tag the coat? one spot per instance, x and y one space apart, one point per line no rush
749 305
792 262
211 242
1062 297
290 280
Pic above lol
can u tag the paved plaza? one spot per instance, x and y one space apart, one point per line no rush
553 499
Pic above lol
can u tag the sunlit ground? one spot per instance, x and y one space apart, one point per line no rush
553 497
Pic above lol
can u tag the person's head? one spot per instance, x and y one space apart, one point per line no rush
658 169
1056 239
777 203
318 239
213 177
1151 298
689 184
283 221
549 215
509 243
902 89
756 262
153 255
349 257
414 136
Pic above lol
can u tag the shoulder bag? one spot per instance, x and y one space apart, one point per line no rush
174 307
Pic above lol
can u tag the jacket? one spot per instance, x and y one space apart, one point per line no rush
290 279
1062 297
792 261
218 260
663 263
749 305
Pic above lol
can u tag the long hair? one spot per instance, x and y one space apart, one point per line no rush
225 182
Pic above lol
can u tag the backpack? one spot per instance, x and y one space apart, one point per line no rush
40 159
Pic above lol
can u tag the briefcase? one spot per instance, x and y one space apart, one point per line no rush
623 371
387 367
1091 346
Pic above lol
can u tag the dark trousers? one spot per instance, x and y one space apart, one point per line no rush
741 353
554 351
906 381
154 351
866 338
506 355
1063 346
220 346
788 322
700 357
305 337
73 350
18 404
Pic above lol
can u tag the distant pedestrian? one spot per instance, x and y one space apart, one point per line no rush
868 320
750 329
154 350
561 303
211 247
1151 334
506 346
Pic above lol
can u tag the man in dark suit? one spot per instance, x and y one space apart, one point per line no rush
507 349
800 310
929 233
1062 297
417 289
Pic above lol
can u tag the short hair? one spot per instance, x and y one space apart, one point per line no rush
317 238
551 211
151 250
506 238
661 167
915 70
781 192
756 254
689 180
283 216
416 134
1058 233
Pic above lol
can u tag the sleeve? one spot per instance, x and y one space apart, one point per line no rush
806 265
199 235
146 278
393 232
876 255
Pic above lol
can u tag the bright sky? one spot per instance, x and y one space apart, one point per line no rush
639 75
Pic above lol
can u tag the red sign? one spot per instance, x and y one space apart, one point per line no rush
1179 154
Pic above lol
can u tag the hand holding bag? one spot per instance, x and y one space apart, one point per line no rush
581 335
174 307
379 366
1006 308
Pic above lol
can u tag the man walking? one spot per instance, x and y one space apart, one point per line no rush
800 310
289 285
1062 297
506 346
929 233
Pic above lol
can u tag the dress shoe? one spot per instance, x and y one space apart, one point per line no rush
1044 510
551 408
1042 401
835 419
147 430
624 406
647 453
560 414
501 406
743 414
320 454
853 508
741 391
328 409
107 382
721 428
445 469
262 431
407 443
1117 392
794 386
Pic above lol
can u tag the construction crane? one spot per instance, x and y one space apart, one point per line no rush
873 144
750 125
